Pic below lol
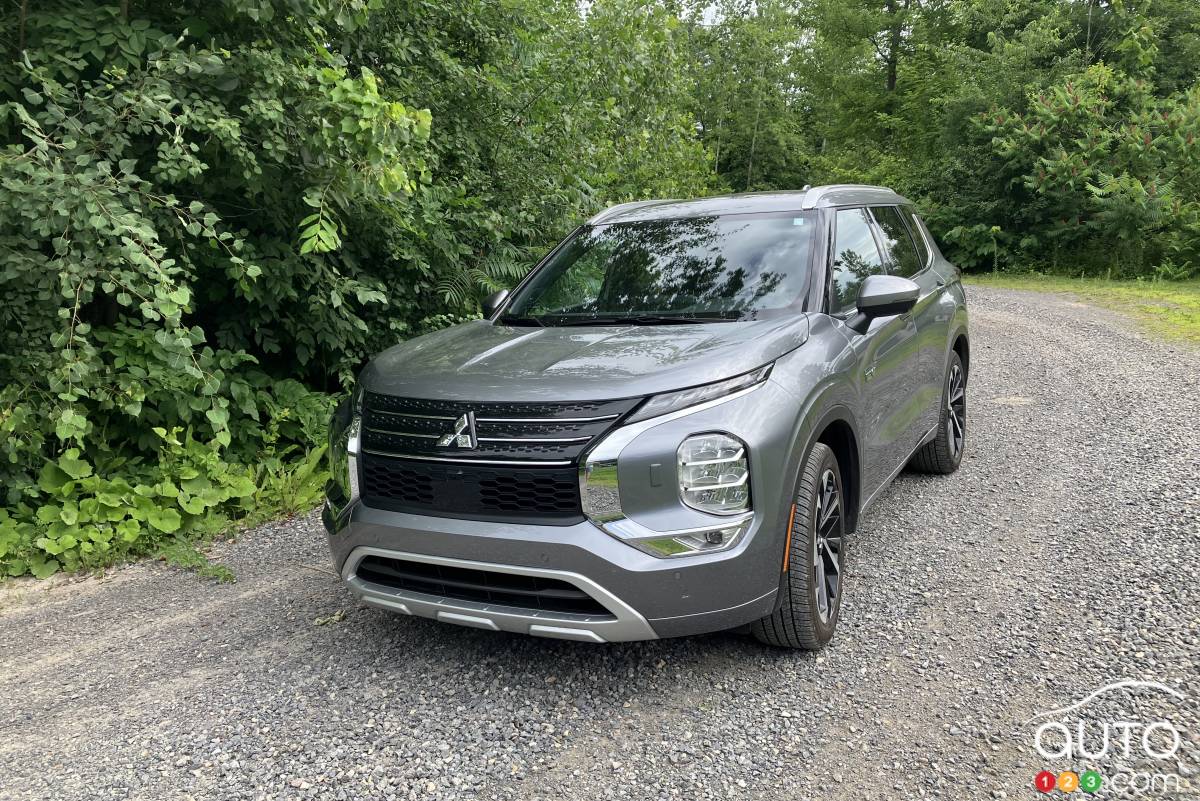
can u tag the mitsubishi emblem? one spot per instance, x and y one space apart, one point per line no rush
463 435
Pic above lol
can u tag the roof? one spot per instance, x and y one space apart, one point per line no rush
817 197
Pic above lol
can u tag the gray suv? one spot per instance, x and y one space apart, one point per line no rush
671 426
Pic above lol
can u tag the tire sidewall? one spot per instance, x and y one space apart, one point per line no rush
955 360
820 460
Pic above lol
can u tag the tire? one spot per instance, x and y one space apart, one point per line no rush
807 617
944 454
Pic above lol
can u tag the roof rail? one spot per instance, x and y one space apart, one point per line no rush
611 210
813 196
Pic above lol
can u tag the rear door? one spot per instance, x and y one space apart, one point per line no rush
908 255
886 365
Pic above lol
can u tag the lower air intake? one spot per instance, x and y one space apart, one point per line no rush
480 586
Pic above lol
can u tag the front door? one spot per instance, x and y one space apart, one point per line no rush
887 358
907 255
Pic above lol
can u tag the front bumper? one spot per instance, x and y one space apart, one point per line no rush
647 596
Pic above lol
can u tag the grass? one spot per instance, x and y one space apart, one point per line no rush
1170 309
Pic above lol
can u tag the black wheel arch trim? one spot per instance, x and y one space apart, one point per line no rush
810 431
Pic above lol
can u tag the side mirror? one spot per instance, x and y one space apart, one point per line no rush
493 302
883 296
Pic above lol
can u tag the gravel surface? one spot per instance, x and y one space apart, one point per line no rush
1062 556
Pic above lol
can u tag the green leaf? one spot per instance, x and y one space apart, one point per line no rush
48 514
43 568
218 417
128 530
166 520
191 504
241 487
52 478
73 466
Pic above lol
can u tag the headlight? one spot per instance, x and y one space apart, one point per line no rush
342 490
714 474
673 401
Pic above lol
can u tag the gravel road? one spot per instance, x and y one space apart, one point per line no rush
1062 556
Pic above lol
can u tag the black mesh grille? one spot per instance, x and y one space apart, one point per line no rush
482 586
406 467
542 494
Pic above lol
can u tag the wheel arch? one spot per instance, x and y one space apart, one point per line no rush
962 346
839 434
837 428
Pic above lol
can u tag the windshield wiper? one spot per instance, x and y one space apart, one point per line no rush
643 319
521 321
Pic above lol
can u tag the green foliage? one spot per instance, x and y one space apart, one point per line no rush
213 212
183 553
1053 133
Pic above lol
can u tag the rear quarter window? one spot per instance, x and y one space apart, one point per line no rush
904 258
918 232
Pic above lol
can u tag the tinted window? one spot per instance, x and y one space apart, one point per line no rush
903 255
855 256
914 227
728 267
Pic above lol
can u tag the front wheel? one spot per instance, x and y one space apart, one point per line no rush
814 559
944 454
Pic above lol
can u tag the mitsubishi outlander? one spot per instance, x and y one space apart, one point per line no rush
672 425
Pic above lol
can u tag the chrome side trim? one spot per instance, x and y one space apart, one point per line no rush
624 624
509 462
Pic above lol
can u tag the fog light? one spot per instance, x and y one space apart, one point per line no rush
691 542
714 474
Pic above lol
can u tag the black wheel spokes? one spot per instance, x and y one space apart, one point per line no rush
827 552
956 410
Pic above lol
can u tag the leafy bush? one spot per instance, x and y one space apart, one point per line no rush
213 212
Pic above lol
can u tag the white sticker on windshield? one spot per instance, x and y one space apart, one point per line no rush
797 221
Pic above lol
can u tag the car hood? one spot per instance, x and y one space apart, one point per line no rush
482 361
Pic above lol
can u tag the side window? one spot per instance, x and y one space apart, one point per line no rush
914 227
855 256
903 257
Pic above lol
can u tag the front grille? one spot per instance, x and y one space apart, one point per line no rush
481 586
520 463
478 492
534 431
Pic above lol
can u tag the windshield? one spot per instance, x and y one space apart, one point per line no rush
697 269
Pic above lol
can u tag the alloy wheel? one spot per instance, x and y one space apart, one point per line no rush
956 410
827 550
